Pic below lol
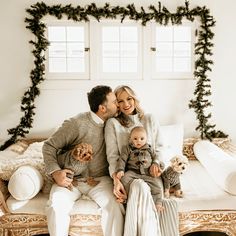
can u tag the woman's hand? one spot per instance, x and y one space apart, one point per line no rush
155 170
61 177
119 190
120 174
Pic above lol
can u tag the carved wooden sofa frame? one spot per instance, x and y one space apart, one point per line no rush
32 224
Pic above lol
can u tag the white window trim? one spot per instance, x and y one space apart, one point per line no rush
93 69
151 55
96 62
69 75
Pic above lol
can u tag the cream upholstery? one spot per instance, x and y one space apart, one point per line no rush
205 206
220 165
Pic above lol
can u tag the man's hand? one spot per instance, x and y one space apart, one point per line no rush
61 177
119 190
83 152
155 170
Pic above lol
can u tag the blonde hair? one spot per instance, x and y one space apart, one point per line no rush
122 118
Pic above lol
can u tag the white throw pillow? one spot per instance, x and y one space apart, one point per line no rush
25 183
219 164
172 139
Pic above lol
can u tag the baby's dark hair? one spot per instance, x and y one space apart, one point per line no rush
98 96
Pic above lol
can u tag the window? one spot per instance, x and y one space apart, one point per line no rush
118 49
68 55
110 49
172 51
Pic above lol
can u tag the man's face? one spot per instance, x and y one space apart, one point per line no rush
111 105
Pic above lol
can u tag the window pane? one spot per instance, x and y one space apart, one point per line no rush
56 33
75 33
182 49
164 49
57 64
164 65
111 49
128 65
110 33
129 49
164 33
111 65
75 65
75 50
129 33
182 33
57 50
182 65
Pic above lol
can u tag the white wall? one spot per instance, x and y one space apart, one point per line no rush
167 99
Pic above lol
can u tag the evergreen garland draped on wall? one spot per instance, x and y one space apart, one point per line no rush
161 15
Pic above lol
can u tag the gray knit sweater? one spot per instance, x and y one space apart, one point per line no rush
81 128
117 136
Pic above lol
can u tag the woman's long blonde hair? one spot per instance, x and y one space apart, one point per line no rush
122 118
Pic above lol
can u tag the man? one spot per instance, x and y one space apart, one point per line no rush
85 128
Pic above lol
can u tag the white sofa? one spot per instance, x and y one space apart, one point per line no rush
209 203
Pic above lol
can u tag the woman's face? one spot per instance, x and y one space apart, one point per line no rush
125 103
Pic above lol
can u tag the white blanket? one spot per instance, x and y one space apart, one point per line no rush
10 161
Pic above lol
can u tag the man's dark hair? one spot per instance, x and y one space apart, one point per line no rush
97 96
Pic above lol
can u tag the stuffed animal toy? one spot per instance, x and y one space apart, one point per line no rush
170 176
82 152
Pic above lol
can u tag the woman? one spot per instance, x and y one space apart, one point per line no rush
141 218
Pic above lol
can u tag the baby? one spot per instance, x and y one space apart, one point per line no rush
135 163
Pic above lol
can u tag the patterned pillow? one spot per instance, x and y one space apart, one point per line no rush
19 147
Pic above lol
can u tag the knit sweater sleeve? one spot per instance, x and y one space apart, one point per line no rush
62 138
112 149
122 161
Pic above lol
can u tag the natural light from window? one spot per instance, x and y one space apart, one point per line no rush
66 50
119 48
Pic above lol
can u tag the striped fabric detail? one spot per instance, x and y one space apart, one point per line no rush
142 218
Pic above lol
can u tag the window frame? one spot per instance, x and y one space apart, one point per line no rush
172 75
146 57
69 75
96 57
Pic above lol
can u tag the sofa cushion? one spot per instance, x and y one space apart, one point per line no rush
172 138
37 205
220 165
25 183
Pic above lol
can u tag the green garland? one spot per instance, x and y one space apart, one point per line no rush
160 14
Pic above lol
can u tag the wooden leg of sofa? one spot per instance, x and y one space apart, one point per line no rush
215 221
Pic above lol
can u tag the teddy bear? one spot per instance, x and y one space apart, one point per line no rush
82 152
171 176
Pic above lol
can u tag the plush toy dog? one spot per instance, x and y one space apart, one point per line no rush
82 152
170 176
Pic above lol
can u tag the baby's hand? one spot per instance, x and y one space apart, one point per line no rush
159 207
155 170
120 174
